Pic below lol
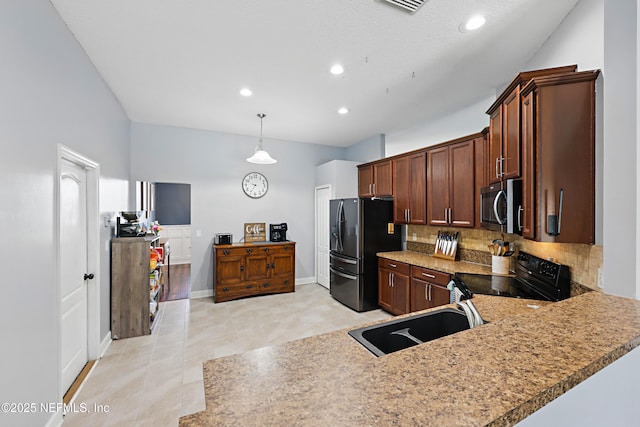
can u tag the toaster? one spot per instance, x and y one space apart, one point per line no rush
223 239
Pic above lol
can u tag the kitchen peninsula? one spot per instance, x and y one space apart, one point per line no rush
528 354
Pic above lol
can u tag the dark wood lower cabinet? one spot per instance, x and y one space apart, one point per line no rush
404 288
393 286
428 288
242 270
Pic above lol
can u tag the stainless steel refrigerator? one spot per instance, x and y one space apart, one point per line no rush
360 228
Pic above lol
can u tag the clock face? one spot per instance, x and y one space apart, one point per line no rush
255 185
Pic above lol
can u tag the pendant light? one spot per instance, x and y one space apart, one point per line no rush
260 156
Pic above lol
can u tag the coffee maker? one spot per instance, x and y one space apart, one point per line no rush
278 232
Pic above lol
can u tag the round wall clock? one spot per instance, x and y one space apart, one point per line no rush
255 185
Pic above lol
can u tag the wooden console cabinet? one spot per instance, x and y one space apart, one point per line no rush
248 269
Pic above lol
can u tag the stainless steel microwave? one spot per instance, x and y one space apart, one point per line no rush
501 206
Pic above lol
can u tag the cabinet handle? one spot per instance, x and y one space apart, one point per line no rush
429 292
520 211
249 286
408 215
242 268
273 265
286 282
370 188
268 266
502 159
374 189
497 173
450 216
226 252
393 265
286 248
393 280
249 251
266 285
266 249
430 276
225 289
426 292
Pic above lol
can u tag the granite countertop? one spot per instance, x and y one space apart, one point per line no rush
434 263
496 374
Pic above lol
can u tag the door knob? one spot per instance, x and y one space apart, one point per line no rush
88 276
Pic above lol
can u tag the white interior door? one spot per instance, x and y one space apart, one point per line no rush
73 266
323 195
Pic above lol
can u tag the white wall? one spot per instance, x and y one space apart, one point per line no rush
51 94
214 164
469 120
369 150
342 175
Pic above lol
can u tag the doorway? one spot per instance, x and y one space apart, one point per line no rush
78 260
323 195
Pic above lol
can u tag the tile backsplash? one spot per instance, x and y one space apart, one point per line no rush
584 261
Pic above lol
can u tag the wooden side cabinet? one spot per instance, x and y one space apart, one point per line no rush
131 313
393 286
248 269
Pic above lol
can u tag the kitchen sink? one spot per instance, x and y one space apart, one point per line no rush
394 335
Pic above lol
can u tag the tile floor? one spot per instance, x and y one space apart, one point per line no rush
155 379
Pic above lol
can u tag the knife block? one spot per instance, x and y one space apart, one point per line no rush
441 246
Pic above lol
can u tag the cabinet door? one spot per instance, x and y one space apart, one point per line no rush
495 145
440 295
257 266
401 190
438 186
365 181
419 295
482 171
526 212
400 285
385 292
462 187
417 189
281 263
229 269
511 135
383 178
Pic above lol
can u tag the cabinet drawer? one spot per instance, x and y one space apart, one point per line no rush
430 276
399 267
229 292
222 252
276 285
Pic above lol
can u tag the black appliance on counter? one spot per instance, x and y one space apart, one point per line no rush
128 224
278 232
535 278
359 229
501 206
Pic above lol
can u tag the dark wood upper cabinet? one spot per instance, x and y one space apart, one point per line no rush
505 125
375 179
559 158
409 189
451 185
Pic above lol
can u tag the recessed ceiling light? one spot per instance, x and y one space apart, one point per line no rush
343 110
245 92
337 69
473 23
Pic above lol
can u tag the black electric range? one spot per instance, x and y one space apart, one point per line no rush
534 278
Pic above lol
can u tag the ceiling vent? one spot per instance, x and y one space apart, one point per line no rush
410 5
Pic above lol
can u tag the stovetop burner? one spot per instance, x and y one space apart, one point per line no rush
535 278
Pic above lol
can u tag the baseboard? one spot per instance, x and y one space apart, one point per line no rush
201 294
305 280
56 419
105 343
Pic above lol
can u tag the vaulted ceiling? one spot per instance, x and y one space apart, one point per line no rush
183 62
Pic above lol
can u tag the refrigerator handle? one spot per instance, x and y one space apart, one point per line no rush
339 228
